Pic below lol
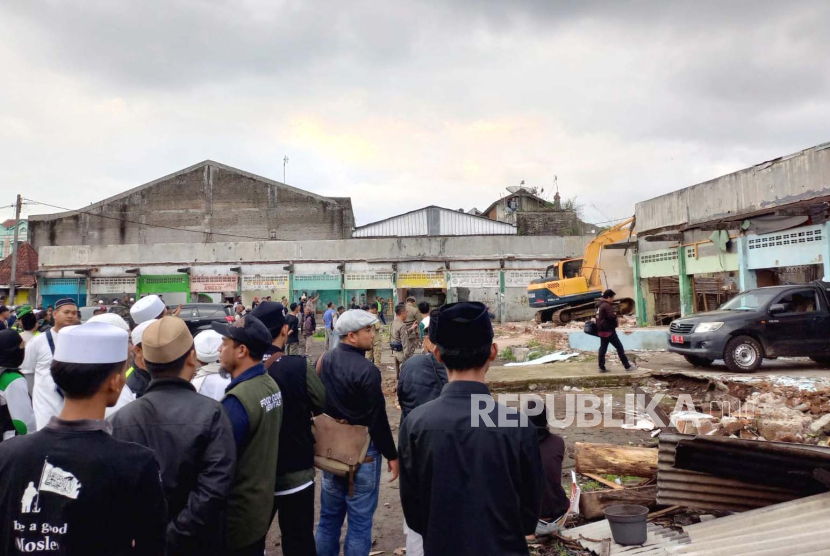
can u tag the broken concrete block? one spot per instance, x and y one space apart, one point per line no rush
820 424
521 353
731 424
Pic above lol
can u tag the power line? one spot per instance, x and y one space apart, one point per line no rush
32 201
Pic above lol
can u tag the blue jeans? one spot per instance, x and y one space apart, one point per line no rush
335 504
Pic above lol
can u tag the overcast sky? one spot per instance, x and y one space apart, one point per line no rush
400 105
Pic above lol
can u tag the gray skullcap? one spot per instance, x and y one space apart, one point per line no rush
354 320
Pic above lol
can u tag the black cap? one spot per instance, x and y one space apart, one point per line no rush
248 331
461 325
65 301
270 313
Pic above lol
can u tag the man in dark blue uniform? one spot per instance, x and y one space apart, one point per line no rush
470 484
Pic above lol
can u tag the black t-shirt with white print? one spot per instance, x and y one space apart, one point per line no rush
72 489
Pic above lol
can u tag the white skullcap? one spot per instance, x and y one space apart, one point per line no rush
147 308
138 331
354 320
111 319
207 344
91 343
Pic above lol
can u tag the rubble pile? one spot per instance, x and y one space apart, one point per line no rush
764 410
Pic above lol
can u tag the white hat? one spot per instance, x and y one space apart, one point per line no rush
100 302
93 342
138 331
207 344
113 320
132 299
354 320
147 308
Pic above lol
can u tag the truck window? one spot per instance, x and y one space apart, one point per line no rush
800 301
753 300
552 272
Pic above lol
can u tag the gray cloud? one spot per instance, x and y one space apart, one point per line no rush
400 105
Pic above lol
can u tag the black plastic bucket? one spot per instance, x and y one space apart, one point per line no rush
628 523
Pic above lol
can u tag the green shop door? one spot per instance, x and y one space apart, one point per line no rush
174 288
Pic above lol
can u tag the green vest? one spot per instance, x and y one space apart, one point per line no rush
252 494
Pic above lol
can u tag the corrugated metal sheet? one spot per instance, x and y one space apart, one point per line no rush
658 541
434 221
680 487
796 527
405 225
785 465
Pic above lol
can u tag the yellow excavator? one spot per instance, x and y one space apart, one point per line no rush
569 289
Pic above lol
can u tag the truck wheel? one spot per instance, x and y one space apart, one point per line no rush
698 361
743 354
823 361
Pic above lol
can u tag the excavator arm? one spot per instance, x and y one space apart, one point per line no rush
593 252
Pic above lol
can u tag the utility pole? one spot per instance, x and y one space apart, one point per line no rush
13 277
284 163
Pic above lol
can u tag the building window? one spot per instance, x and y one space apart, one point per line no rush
273 234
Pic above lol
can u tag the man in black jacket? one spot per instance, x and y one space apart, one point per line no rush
607 330
354 394
303 395
191 436
470 482
422 377
71 488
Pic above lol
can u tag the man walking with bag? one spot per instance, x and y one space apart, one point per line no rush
607 330
354 394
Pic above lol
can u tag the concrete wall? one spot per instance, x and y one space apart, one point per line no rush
803 175
618 274
210 199
368 250
655 339
524 258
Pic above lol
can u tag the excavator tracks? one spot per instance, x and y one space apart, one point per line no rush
584 311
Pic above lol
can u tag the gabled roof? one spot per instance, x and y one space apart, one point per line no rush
26 267
187 170
10 223
519 193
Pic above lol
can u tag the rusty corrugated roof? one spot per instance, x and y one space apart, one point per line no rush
704 491
26 268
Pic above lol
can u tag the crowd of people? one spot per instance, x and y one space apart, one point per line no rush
141 438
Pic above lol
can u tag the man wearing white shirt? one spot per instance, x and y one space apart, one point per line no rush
47 399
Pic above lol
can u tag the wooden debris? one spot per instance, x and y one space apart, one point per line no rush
668 510
604 481
610 459
591 504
